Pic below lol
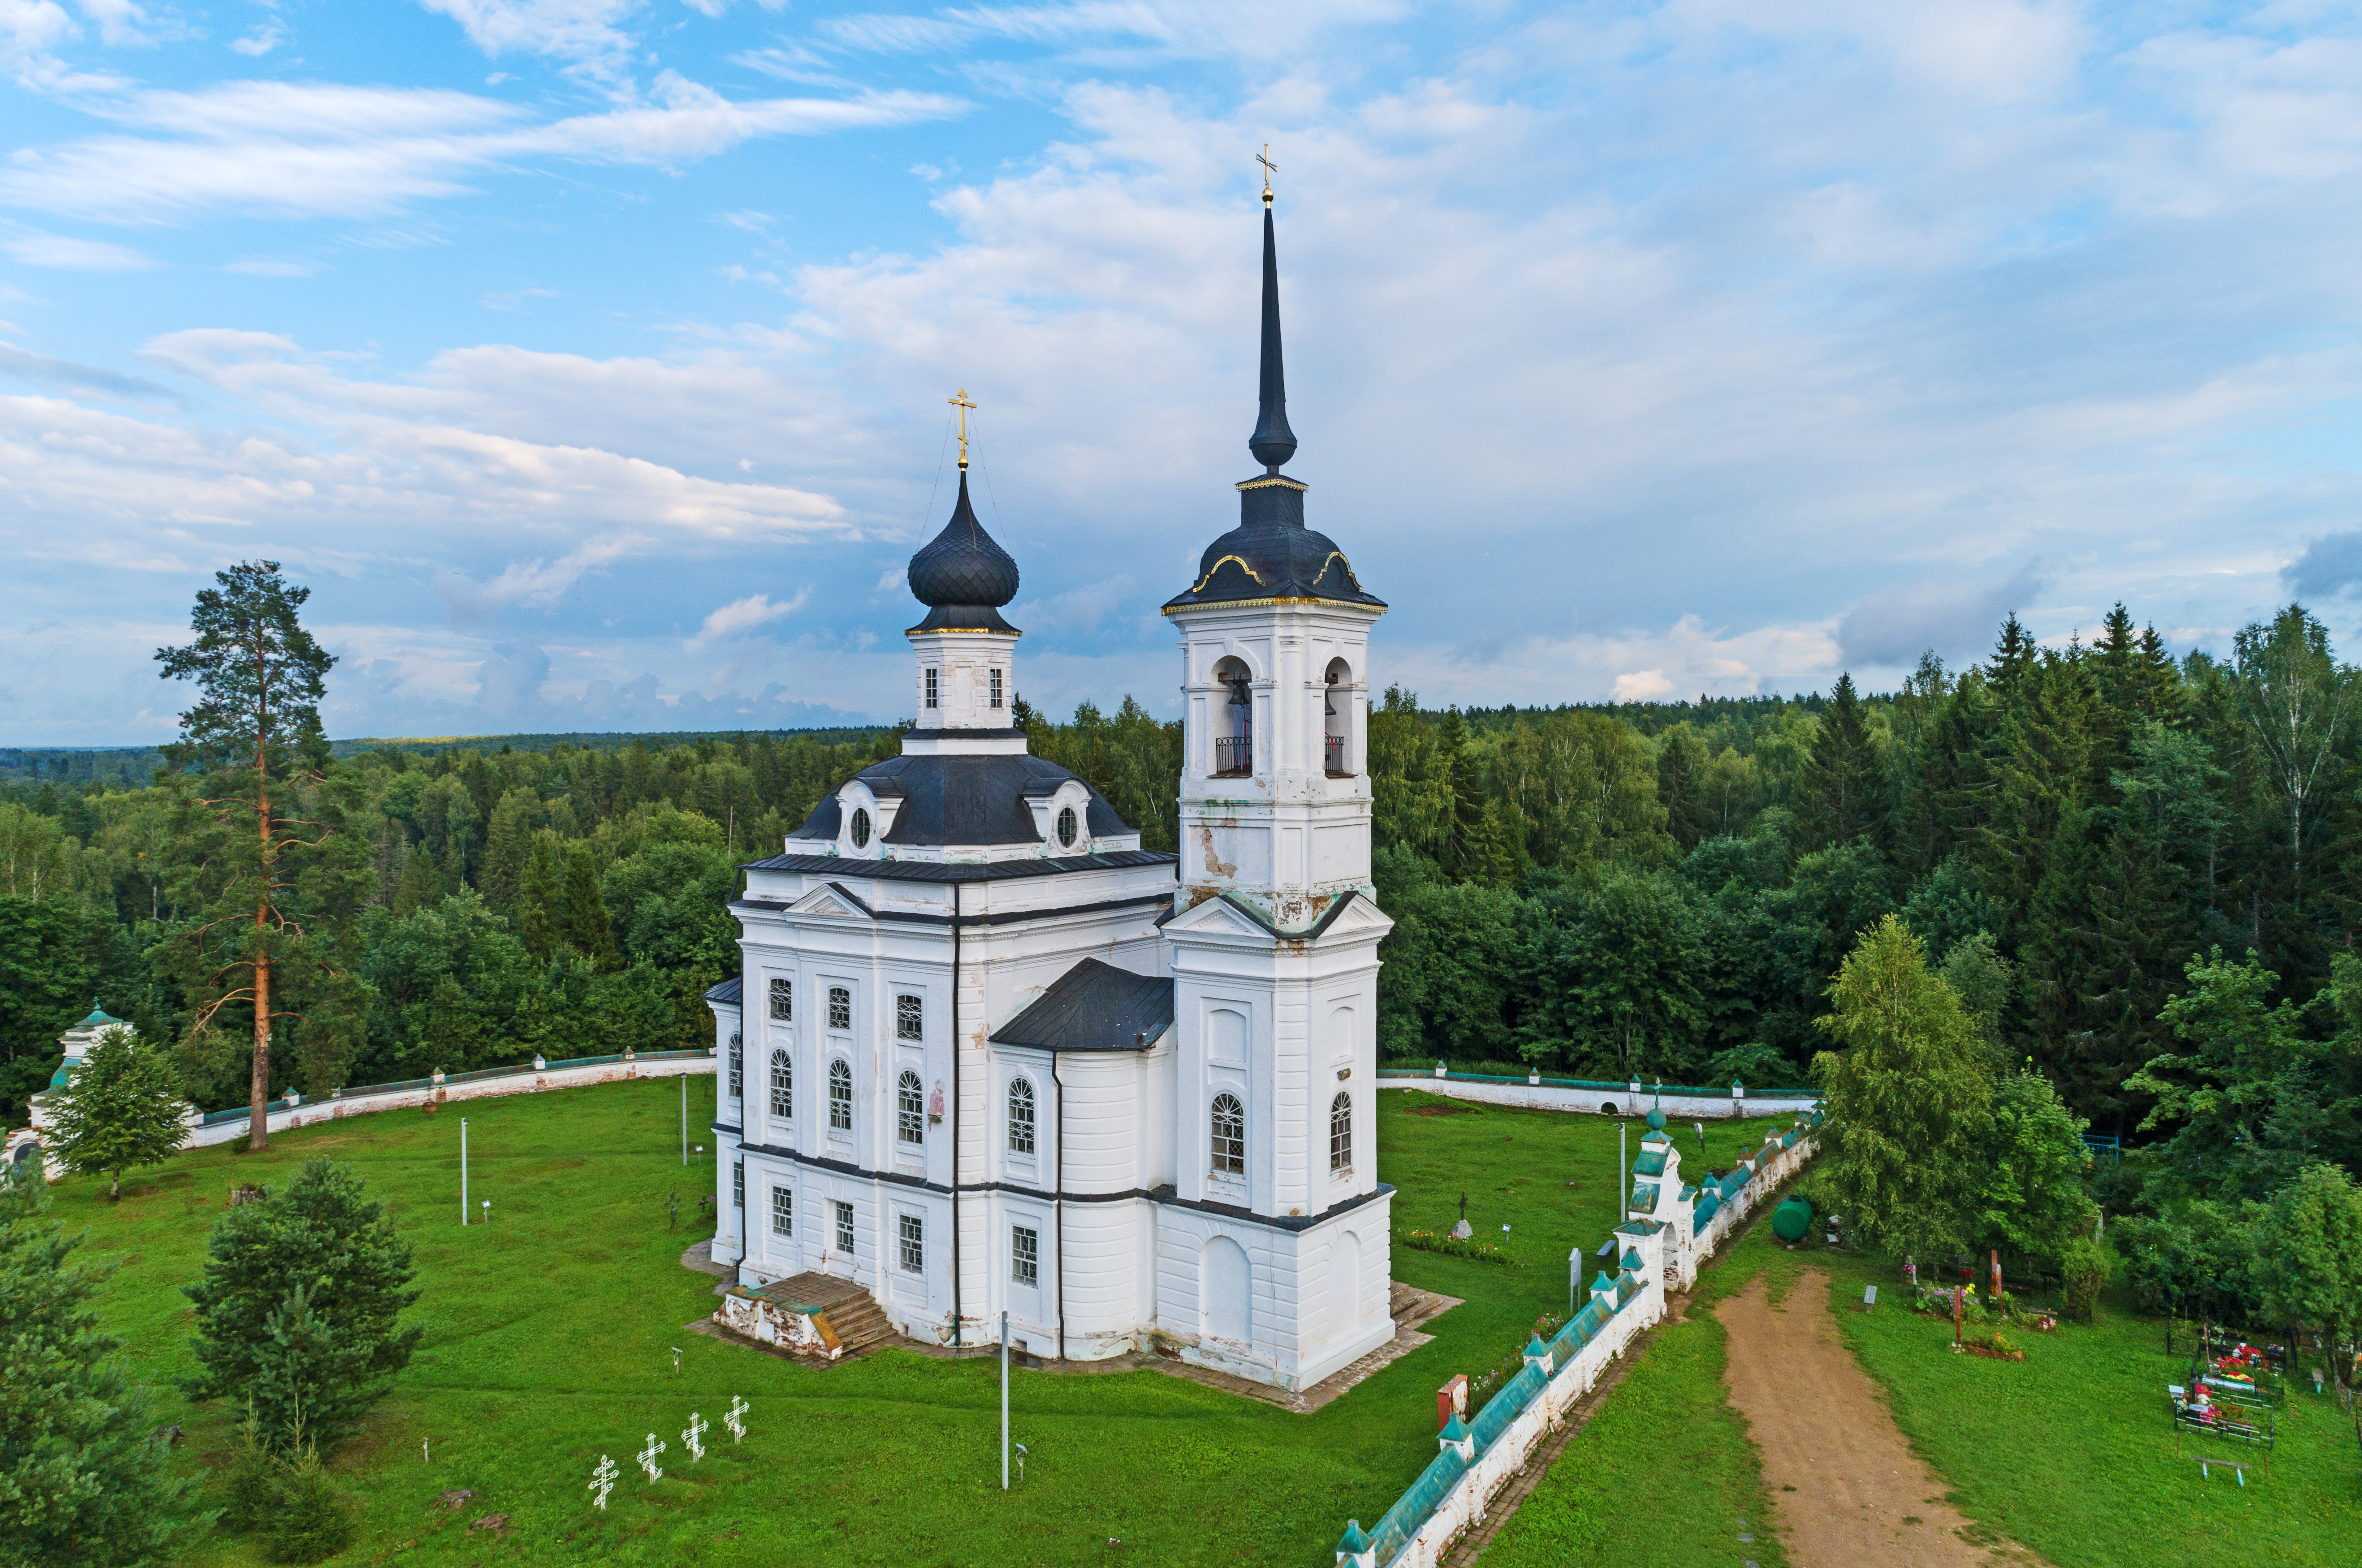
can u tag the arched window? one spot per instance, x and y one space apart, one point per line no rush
1233 721
1341 1134
1337 718
911 1109
1067 827
737 1065
840 1096
1020 1116
783 1086
1229 1130
861 829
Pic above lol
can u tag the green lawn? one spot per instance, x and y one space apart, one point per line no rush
548 1335
2069 1451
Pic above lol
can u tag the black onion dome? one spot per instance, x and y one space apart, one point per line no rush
1272 555
963 575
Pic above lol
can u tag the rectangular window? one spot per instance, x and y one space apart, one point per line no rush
840 1008
844 1227
914 1244
909 1018
738 1183
931 689
1024 1255
737 1067
783 1213
995 689
783 1001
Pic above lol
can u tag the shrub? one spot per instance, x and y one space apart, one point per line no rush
314 1521
255 1490
2083 1264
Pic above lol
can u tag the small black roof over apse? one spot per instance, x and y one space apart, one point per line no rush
1271 554
1094 1007
963 575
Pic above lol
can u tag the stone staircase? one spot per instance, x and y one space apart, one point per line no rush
848 1318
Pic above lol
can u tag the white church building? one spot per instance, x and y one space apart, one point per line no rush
987 1054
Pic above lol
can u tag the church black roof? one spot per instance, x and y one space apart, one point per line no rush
963 799
963 575
1094 1007
726 993
1271 554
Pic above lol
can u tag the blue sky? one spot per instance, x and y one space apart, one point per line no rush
587 358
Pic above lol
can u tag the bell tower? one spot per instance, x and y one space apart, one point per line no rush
1275 649
1274 948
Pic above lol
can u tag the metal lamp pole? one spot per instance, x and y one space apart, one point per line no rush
1004 1401
463 1170
684 1119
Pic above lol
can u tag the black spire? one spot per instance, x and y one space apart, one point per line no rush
1272 442
963 575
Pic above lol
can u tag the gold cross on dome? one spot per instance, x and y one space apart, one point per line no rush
960 400
1269 168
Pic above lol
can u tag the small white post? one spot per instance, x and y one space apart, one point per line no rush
1004 1401
463 1170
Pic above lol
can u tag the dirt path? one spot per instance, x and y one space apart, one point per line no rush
1846 1489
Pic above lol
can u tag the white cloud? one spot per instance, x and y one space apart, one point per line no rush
118 21
291 150
32 248
261 40
742 616
582 33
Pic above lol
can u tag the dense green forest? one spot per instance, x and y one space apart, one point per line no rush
2080 835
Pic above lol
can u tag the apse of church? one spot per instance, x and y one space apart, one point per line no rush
987 1054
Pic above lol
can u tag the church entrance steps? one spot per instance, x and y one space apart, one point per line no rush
813 1317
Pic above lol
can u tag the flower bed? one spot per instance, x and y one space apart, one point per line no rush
1453 1247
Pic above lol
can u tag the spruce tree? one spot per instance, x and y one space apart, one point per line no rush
584 914
1841 794
80 1484
120 1110
539 898
299 1304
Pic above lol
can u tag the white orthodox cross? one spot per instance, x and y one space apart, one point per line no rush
648 1458
692 1433
602 1480
735 1417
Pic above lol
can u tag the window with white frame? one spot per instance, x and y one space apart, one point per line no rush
840 1008
844 1227
995 689
1229 1136
1020 1116
783 1211
737 1065
909 1017
840 1096
1024 1255
914 1244
909 1108
738 1183
783 1001
783 1086
932 690
1341 1134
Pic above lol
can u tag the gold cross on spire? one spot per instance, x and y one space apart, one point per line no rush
961 402
1269 168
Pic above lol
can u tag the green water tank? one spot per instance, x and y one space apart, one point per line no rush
1792 1220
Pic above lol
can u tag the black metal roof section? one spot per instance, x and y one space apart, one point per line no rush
963 797
726 993
1271 554
963 575
1272 442
1094 1007
964 871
